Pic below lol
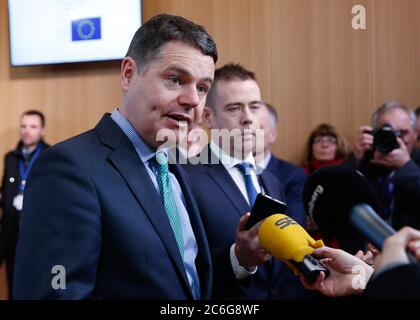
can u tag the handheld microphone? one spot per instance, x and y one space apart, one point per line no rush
367 221
342 202
288 241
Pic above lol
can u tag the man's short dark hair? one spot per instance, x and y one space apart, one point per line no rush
228 72
35 113
163 28
273 114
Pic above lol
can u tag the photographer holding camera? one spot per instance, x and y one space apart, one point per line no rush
386 155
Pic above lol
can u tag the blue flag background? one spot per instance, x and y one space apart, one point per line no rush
86 29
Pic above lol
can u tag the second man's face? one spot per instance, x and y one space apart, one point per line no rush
238 106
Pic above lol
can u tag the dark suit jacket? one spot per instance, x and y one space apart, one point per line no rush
221 205
9 189
402 282
11 217
91 207
406 210
293 179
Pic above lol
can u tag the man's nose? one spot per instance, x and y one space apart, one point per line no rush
247 116
189 97
198 115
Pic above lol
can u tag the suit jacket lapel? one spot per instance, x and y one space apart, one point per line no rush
218 173
272 185
127 162
273 188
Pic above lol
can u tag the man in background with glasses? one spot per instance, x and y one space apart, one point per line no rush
393 172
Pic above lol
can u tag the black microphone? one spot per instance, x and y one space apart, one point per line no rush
342 202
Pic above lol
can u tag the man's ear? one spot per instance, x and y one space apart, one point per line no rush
273 135
207 117
128 72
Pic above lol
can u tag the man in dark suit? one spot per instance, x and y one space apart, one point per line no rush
394 174
291 176
17 164
104 215
225 188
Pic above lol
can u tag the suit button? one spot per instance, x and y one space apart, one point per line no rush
11 179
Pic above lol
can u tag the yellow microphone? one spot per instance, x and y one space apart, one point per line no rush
289 242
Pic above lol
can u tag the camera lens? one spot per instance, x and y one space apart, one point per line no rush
385 139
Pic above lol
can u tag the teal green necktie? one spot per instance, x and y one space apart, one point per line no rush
161 165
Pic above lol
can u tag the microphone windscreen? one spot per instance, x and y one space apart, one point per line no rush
285 239
329 195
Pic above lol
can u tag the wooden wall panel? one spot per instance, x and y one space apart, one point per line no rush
312 66
310 63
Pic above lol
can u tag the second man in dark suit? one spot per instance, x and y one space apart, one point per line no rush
226 187
291 176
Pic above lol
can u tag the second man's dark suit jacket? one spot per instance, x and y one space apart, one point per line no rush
293 179
221 205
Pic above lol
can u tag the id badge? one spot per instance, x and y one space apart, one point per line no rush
18 202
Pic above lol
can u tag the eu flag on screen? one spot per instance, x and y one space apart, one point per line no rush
86 29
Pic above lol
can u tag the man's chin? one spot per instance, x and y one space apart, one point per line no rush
244 150
173 124
172 132
28 143
249 141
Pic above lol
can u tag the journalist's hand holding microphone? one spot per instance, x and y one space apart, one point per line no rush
286 240
395 249
344 268
347 272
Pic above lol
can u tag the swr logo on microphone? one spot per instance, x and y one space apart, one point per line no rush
285 222
318 190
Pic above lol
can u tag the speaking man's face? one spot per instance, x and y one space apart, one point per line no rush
169 94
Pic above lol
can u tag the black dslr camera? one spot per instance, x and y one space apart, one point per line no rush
385 139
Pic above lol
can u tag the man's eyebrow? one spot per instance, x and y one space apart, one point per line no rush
232 104
180 70
185 72
209 80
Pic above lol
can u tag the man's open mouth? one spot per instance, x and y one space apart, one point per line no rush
180 117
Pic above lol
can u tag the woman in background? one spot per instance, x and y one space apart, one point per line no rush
325 147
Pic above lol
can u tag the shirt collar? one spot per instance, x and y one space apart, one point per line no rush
228 161
144 151
266 161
